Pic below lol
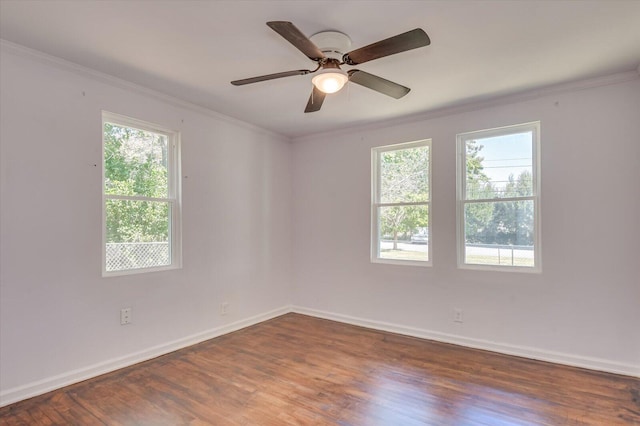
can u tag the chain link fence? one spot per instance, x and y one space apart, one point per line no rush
122 256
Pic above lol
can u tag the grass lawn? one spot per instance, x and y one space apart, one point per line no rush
495 260
404 255
471 259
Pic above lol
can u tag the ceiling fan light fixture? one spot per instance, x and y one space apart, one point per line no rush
330 80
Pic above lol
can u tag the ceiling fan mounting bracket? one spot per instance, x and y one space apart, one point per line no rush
333 44
327 63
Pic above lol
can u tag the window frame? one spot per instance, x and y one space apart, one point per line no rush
173 193
376 204
461 189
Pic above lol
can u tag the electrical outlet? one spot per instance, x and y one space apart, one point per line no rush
224 308
457 315
125 316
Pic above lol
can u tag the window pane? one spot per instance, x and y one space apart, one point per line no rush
404 175
135 162
499 233
403 232
500 166
137 234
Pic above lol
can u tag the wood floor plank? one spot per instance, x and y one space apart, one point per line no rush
299 370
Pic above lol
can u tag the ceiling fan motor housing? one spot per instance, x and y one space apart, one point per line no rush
333 44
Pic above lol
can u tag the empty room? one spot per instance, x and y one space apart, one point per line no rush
365 213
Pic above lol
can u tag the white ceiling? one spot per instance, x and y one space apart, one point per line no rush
193 49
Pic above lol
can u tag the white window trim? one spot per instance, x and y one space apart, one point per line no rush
375 203
173 197
461 179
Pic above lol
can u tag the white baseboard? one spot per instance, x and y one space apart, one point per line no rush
51 383
504 348
46 385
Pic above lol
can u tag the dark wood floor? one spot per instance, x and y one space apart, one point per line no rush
298 370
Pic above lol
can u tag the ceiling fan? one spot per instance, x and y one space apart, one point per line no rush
327 49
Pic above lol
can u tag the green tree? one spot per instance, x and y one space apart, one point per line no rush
478 186
512 221
135 165
404 178
524 231
501 222
475 168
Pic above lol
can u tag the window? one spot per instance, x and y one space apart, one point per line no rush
141 200
401 194
498 198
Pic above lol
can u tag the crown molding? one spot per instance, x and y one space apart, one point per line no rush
523 96
63 64
469 106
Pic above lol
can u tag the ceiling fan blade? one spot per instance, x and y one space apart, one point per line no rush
315 100
378 84
390 46
269 77
294 36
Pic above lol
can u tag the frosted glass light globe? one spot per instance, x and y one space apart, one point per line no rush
330 80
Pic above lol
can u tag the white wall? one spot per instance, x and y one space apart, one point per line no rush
59 317
583 309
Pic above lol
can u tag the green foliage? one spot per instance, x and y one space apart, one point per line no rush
135 165
475 173
478 186
404 177
514 219
137 221
478 215
508 222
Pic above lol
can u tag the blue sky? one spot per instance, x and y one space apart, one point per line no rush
505 155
